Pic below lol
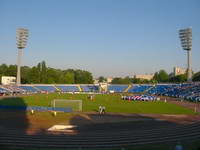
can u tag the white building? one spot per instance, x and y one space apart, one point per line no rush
179 71
96 81
144 76
109 79
7 80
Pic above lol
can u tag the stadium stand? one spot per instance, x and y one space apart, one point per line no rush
139 88
46 88
29 89
187 91
3 88
68 88
129 86
117 88
3 91
159 89
11 89
79 87
89 88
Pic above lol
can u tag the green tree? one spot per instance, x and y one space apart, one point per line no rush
155 77
153 81
3 69
68 78
127 80
179 78
196 76
119 80
102 79
43 72
161 76
25 70
136 80
34 75
39 69
51 76
83 77
12 70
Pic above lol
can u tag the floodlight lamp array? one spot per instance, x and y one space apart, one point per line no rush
22 37
185 36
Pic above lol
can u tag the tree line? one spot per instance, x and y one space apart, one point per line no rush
159 77
41 74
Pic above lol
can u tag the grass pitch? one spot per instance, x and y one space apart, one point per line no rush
112 102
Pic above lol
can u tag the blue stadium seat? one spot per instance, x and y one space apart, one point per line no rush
2 90
159 89
29 89
89 88
46 88
117 88
68 88
139 88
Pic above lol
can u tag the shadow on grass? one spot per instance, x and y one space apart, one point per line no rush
13 122
111 122
15 117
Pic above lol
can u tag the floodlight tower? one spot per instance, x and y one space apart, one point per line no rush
22 37
185 36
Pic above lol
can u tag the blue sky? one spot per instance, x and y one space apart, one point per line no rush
105 37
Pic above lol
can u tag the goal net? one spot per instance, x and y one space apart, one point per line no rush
75 105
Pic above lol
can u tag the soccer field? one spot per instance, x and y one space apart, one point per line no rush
112 102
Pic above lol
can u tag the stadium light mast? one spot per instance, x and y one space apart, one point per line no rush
185 36
22 37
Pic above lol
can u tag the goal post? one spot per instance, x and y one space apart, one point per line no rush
75 105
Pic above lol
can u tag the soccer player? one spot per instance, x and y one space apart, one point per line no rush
100 109
103 109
